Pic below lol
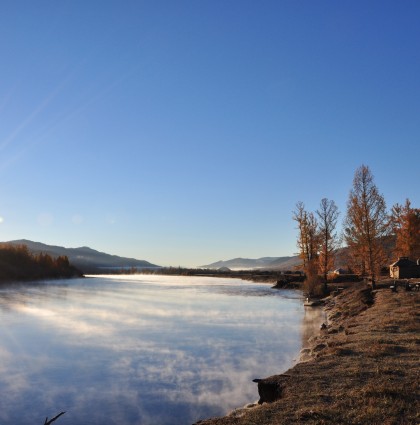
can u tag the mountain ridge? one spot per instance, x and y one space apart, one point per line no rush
84 258
278 263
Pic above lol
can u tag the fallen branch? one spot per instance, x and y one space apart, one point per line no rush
48 422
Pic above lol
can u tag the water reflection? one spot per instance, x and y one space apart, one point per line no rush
141 350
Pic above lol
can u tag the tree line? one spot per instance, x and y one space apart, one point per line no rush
372 234
17 263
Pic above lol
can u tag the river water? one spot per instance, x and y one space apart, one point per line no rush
150 350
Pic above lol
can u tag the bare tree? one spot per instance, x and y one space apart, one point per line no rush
307 240
328 238
366 224
406 227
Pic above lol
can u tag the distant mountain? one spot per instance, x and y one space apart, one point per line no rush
84 258
342 260
279 263
285 263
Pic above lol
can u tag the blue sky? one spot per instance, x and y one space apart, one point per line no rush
184 132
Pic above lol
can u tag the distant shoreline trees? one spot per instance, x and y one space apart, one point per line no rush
18 264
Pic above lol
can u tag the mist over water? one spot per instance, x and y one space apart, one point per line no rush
142 349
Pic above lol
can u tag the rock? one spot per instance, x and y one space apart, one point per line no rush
319 347
271 389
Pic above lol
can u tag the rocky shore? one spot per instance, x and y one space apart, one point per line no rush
362 369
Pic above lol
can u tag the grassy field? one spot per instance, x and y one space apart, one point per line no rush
363 369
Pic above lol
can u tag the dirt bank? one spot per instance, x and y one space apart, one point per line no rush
363 369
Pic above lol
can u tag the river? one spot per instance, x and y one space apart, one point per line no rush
150 350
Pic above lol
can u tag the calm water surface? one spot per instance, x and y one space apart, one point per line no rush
150 350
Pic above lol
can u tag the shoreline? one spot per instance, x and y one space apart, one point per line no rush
363 368
312 331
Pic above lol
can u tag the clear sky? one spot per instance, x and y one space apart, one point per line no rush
184 132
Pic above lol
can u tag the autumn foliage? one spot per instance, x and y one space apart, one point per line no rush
373 236
366 224
406 227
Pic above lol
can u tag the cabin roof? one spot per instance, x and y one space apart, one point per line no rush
403 262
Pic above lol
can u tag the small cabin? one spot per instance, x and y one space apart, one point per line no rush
404 268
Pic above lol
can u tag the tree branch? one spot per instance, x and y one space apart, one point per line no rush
48 422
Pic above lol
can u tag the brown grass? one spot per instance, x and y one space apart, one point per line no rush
365 367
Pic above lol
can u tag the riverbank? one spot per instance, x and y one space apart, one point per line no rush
363 369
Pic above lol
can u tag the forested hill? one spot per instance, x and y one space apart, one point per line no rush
18 264
84 258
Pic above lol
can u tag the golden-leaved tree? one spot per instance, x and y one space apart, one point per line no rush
406 227
366 224
308 240
328 238
308 244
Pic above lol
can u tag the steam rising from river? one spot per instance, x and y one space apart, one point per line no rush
141 349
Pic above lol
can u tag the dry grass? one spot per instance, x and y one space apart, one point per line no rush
365 367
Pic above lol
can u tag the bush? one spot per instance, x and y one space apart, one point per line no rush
313 284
